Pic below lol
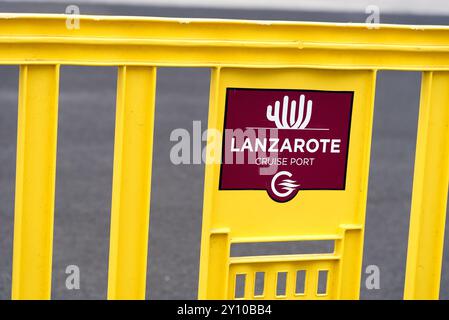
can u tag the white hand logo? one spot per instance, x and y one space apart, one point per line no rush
295 122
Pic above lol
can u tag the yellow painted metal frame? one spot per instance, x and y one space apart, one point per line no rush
35 181
326 55
130 216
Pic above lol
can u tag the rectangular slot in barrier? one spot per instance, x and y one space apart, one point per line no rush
259 284
391 176
322 282
281 284
300 282
84 180
282 247
8 130
177 182
240 280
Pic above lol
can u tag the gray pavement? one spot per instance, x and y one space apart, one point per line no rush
84 172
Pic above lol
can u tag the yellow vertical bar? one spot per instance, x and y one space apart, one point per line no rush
270 284
430 185
232 283
290 286
311 283
207 246
218 265
349 271
249 284
131 182
35 181
348 275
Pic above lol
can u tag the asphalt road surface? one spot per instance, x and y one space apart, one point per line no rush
84 168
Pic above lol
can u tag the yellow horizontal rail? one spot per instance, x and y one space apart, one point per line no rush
284 258
222 43
108 40
311 237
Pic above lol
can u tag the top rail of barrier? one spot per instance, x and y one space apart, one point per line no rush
109 40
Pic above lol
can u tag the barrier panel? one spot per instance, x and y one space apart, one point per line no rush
325 208
299 95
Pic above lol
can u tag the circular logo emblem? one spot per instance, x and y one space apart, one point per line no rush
282 187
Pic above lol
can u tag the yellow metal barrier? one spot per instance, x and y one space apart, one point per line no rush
242 54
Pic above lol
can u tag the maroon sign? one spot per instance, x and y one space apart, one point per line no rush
284 141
